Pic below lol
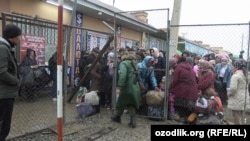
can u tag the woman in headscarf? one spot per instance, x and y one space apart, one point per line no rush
147 74
206 76
29 63
223 71
184 87
238 98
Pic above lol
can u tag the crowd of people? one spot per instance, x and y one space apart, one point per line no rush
191 77
213 75
198 85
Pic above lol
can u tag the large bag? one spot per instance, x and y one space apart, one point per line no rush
155 112
154 98
91 98
208 119
85 109
37 73
42 77
28 79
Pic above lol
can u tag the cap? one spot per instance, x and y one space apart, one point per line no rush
11 31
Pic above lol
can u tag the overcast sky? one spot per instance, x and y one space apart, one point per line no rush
192 11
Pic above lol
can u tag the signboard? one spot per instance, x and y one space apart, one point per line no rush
37 43
78 46
95 39
126 43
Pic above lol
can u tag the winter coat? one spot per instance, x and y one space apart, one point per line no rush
227 75
161 64
97 77
9 80
53 64
206 80
25 66
129 87
237 93
184 85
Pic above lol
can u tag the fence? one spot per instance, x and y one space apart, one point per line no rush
220 40
33 116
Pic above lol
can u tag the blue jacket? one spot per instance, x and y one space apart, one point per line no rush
227 75
146 73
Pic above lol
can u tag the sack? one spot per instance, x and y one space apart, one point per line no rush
208 119
85 109
155 111
37 73
28 78
154 98
91 98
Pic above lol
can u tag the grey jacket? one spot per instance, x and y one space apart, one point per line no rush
9 80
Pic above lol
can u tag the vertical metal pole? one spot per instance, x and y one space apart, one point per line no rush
247 80
242 42
167 66
174 31
115 67
59 71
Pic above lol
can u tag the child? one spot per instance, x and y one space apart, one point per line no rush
172 115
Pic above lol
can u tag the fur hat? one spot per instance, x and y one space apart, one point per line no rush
11 31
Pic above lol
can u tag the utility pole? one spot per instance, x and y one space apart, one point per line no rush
242 42
59 72
174 31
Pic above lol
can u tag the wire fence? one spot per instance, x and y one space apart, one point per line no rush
41 36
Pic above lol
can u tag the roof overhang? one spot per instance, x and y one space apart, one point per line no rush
108 13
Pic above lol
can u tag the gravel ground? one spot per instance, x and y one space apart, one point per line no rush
88 128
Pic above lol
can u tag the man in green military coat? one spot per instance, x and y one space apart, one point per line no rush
128 90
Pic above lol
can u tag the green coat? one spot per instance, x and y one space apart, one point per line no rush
130 89
9 81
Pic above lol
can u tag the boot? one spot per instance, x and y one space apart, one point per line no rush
132 122
116 118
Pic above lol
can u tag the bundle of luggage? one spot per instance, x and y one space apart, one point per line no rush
155 102
87 102
208 111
